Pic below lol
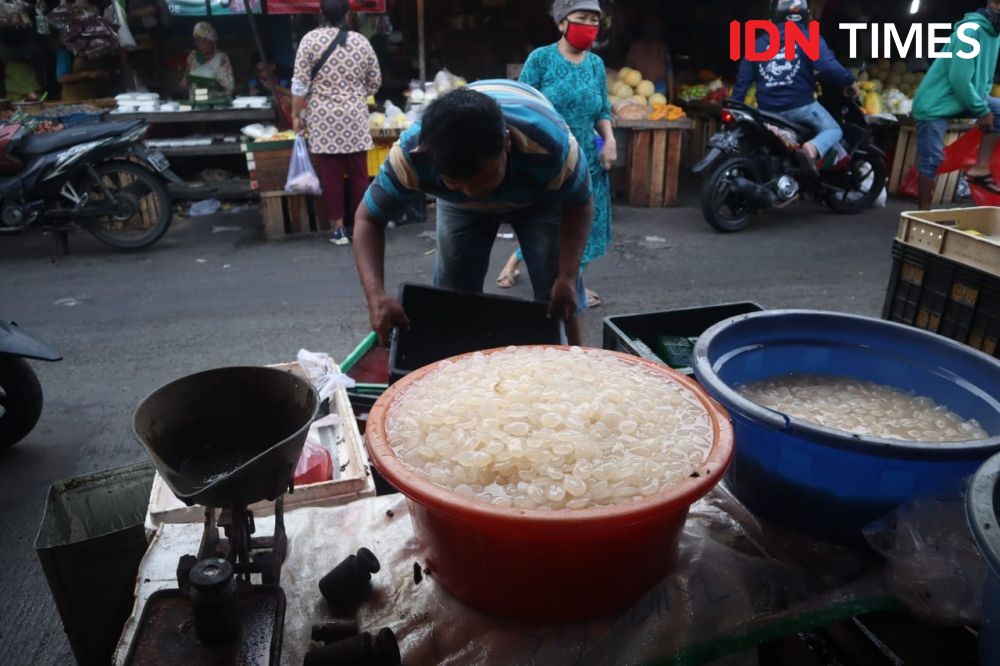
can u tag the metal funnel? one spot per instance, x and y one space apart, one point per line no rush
225 436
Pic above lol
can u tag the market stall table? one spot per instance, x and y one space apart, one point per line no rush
905 157
223 128
654 160
705 121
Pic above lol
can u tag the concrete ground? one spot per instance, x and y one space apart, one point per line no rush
214 292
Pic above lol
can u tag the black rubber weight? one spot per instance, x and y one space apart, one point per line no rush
22 402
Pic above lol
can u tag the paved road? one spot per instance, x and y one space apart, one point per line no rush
213 292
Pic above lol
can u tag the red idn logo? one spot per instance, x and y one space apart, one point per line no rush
793 37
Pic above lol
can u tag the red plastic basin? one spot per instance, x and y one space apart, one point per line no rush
548 566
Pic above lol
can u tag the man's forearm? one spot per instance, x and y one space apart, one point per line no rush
573 232
369 252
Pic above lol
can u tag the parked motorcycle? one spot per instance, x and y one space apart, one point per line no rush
96 176
752 167
20 391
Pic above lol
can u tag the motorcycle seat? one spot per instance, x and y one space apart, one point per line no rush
781 121
39 144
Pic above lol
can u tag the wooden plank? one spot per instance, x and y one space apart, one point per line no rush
638 169
273 216
673 167
658 168
217 116
321 214
683 123
298 218
897 173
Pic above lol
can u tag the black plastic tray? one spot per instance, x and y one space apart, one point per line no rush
446 323
621 331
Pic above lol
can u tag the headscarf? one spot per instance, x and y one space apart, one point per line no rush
204 30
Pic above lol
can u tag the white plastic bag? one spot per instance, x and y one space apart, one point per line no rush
324 374
125 37
302 178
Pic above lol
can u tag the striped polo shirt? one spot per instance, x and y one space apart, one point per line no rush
544 163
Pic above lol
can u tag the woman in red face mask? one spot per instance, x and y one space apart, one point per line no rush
574 80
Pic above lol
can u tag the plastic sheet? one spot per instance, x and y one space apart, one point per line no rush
932 563
736 583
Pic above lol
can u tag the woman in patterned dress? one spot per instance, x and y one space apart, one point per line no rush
574 80
333 111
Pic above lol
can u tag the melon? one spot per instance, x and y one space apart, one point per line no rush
658 98
645 88
623 72
633 78
623 90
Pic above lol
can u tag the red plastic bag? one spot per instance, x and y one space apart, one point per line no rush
908 186
315 465
962 153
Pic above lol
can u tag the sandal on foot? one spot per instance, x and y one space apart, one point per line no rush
986 182
593 299
508 279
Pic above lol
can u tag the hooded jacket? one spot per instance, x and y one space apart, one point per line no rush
956 87
788 84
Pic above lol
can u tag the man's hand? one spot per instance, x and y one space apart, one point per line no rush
853 90
297 124
562 299
609 153
385 314
985 124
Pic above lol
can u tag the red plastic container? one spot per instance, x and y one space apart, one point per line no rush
548 566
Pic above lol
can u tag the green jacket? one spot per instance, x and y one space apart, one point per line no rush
958 87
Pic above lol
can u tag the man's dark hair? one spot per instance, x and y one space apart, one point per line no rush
461 131
334 11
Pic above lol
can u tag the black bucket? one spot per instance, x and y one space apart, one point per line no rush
90 544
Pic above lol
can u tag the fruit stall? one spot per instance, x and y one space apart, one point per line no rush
654 135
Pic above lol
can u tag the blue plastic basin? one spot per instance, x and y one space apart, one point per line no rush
982 503
825 482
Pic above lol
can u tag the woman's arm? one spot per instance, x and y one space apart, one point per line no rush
373 76
226 80
609 153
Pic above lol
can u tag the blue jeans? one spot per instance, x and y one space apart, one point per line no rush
930 139
819 119
465 240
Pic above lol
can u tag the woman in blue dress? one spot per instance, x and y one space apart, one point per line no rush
574 80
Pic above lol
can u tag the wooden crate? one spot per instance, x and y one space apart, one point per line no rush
654 161
268 163
286 214
705 121
906 156
947 233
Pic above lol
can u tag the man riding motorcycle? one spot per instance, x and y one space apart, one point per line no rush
787 87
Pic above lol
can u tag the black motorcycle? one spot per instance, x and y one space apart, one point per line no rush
20 392
752 165
97 176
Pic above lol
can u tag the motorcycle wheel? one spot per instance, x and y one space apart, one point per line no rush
144 205
717 201
861 167
20 400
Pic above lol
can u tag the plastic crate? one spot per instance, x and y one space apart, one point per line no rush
622 331
945 297
446 323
